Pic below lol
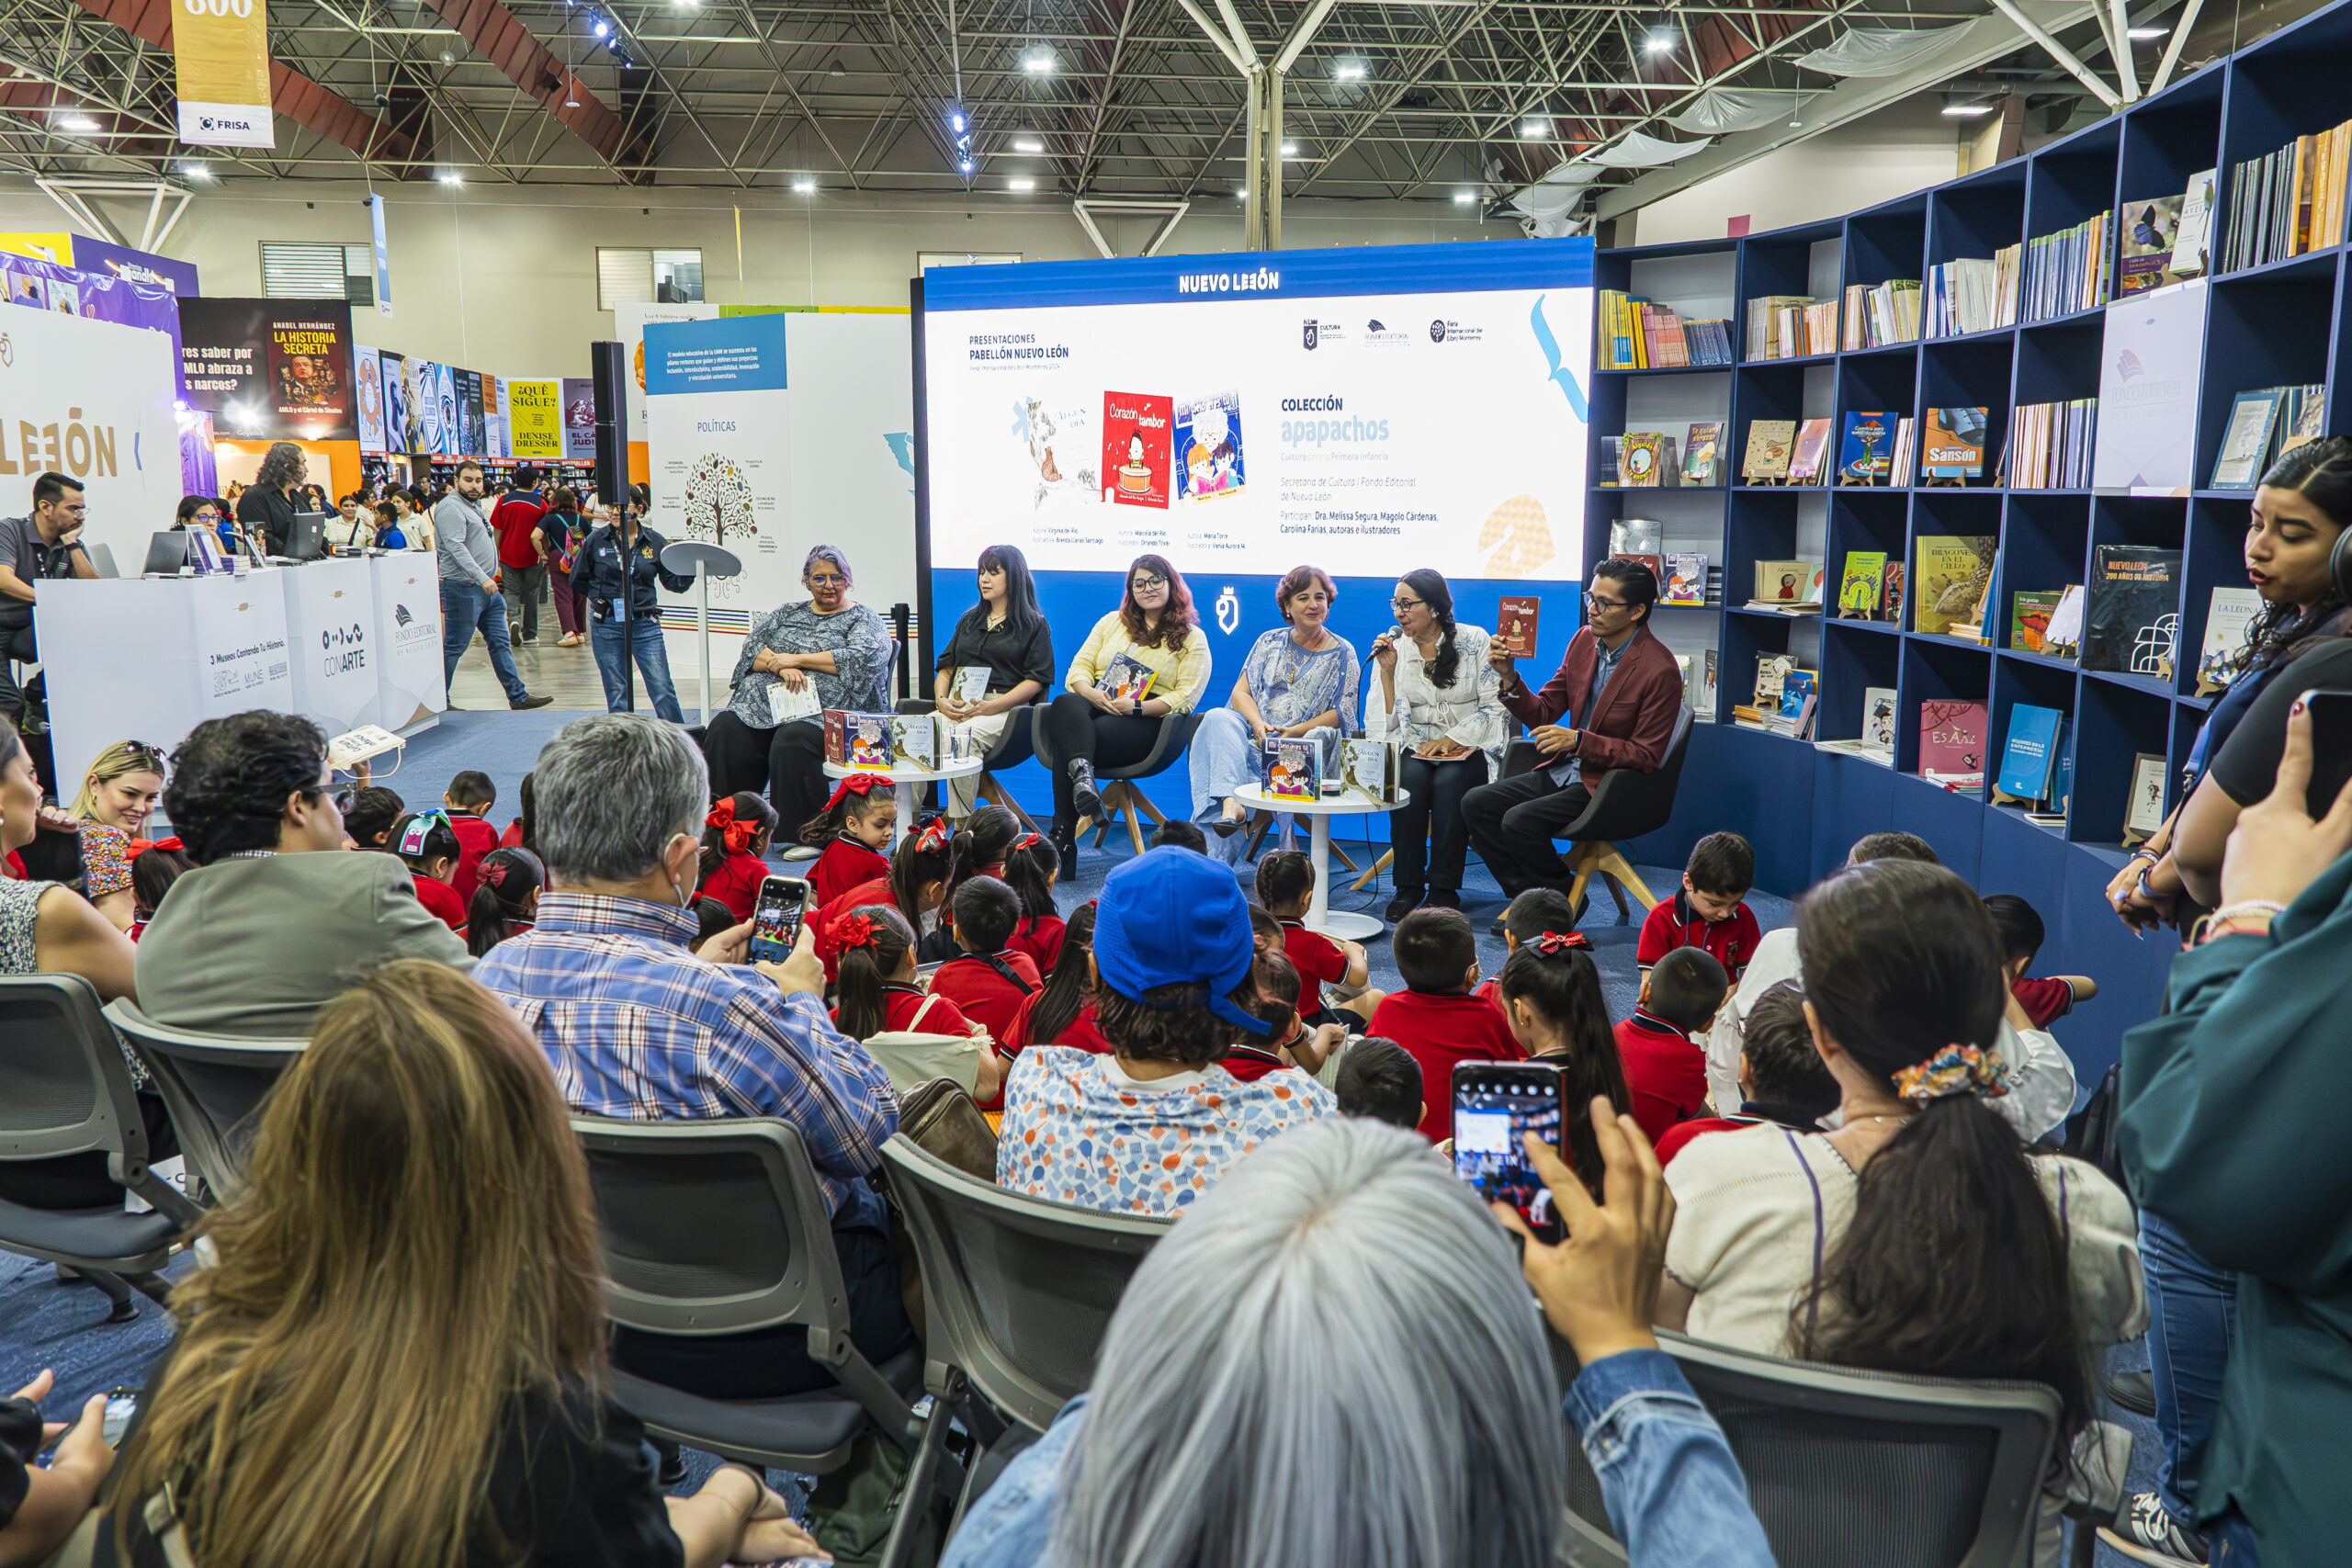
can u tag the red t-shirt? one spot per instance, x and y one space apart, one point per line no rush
1666 1072
1316 958
476 839
1249 1064
2045 1000
440 901
1078 1033
987 997
512 838
516 513
1438 1031
858 898
845 864
900 1003
1042 940
1681 1133
736 884
1676 924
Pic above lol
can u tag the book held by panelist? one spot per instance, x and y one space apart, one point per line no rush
1515 623
1127 677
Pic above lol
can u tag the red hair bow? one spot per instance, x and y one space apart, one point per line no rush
855 783
495 875
736 835
933 839
1551 944
1026 841
852 930
138 847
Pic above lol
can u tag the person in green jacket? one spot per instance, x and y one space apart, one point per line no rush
2232 1129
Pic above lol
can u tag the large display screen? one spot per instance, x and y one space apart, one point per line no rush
1376 409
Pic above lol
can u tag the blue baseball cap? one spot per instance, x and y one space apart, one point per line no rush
1173 917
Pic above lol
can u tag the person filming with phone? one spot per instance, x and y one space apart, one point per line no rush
44 543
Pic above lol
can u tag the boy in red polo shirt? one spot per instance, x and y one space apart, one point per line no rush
1666 1070
1285 886
1435 1018
1782 1079
988 981
2046 998
1708 911
468 798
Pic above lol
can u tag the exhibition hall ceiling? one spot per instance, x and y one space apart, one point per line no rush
1439 100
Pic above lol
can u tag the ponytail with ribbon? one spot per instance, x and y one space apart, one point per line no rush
735 826
1550 992
873 943
853 796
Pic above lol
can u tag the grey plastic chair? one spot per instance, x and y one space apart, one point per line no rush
1625 805
1122 801
214 1086
1852 1469
65 1090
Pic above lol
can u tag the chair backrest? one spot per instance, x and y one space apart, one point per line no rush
1017 1292
1644 802
214 1086
64 1087
1872 1470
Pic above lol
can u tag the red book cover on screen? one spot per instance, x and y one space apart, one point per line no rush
1136 447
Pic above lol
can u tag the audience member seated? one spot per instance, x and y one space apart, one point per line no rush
466 803
1438 701
1435 1017
1285 886
1228 1417
1378 1078
852 833
915 887
1550 990
2231 1132
39 1507
1920 1237
518 833
1709 911
402 1328
275 919
368 814
1666 1066
429 846
733 861
981 843
640 1029
1006 635
46 928
1782 1079
506 899
1298 680
878 992
118 795
1534 913
1288 1042
1183 835
989 979
1148 1129
712 919
2045 1000
1063 1012
152 872
1030 867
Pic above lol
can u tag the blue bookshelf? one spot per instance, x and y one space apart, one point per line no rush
2287 322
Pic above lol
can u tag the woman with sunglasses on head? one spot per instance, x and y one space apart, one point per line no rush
1438 700
1101 717
119 794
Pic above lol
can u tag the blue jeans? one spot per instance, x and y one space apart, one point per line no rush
2233 1542
465 608
610 643
2192 1318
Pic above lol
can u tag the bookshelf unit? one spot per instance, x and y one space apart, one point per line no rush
2286 323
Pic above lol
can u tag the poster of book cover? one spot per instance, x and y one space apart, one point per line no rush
368 377
1208 439
472 439
452 413
1137 443
306 376
392 371
270 368
419 427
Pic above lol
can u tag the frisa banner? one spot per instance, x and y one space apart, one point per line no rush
221 51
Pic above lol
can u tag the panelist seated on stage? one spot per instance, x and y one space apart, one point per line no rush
277 915
44 543
1620 691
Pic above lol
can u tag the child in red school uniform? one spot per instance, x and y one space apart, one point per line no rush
1665 1068
1063 1012
428 847
916 886
734 846
2045 999
1549 991
1435 1018
981 847
854 829
518 833
1708 912
877 991
1292 1044
1539 911
1285 886
470 795
152 871
989 980
1782 1079
1030 866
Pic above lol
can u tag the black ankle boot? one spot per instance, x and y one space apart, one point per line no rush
1084 798
1065 840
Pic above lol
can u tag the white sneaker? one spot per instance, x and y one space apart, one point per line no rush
2145 1532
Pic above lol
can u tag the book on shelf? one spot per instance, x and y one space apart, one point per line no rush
1771 670
1790 326
2131 623
2263 426
1642 456
2226 618
1812 450
1903 464
1952 444
1703 462
1701 684
1799 691
1637 536
2068 271
1606 477
1780 583
2150 234
1633 334
2050 445
1951 743
1656 563
1685 582
1878 717
1954 572
2030 753
1866 449
2192 246
2063 638
1891 606
1973 293
1861 587
1769 444
1515 620
1747 715
1883 756
2289 201
1879 314
2029 614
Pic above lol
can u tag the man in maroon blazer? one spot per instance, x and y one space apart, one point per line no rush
1623 689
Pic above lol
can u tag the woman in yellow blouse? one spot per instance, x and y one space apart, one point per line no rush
1101 717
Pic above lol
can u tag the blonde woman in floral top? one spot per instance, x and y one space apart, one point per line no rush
118 795
1437 697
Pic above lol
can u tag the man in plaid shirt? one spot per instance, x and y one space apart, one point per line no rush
637 1027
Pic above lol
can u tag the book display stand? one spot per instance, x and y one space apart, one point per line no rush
2283 324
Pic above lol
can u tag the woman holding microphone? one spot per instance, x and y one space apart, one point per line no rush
1440 700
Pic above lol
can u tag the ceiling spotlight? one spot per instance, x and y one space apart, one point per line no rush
197 171
1240 193
1660 41
448 56
1465 197
1027 144
1533 130
1289 148
955 121
601 28
1967 112
1347 71
1021 182
805 185
76 123
452 177
1038 63
2144 34
966 165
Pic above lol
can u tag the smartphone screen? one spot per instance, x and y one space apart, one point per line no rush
2330 749
1494 1104
775 918
122 1404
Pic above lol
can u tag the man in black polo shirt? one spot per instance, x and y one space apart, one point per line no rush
47 544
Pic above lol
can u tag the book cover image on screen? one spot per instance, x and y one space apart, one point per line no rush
2132 622
1135 445
1515 622
1208 439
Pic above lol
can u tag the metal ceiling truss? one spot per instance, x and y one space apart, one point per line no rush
1146 100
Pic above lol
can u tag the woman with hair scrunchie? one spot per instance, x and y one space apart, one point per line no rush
734 846
118 795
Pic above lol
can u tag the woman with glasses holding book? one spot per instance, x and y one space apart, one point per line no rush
1144 660
1000 660
1440 703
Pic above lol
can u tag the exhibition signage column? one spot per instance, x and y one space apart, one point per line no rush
407 646
331 625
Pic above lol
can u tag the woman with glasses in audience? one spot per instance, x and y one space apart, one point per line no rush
398 1355
205 513
830 653
119 794
1440 701
1144 660
1299 681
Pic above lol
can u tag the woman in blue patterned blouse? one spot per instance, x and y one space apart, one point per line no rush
1299 680
830 652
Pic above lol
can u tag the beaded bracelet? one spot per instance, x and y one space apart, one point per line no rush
2263 906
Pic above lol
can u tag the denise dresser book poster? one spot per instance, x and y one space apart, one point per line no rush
1208 445
1136 441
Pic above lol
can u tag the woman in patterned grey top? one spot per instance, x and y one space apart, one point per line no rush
830 652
